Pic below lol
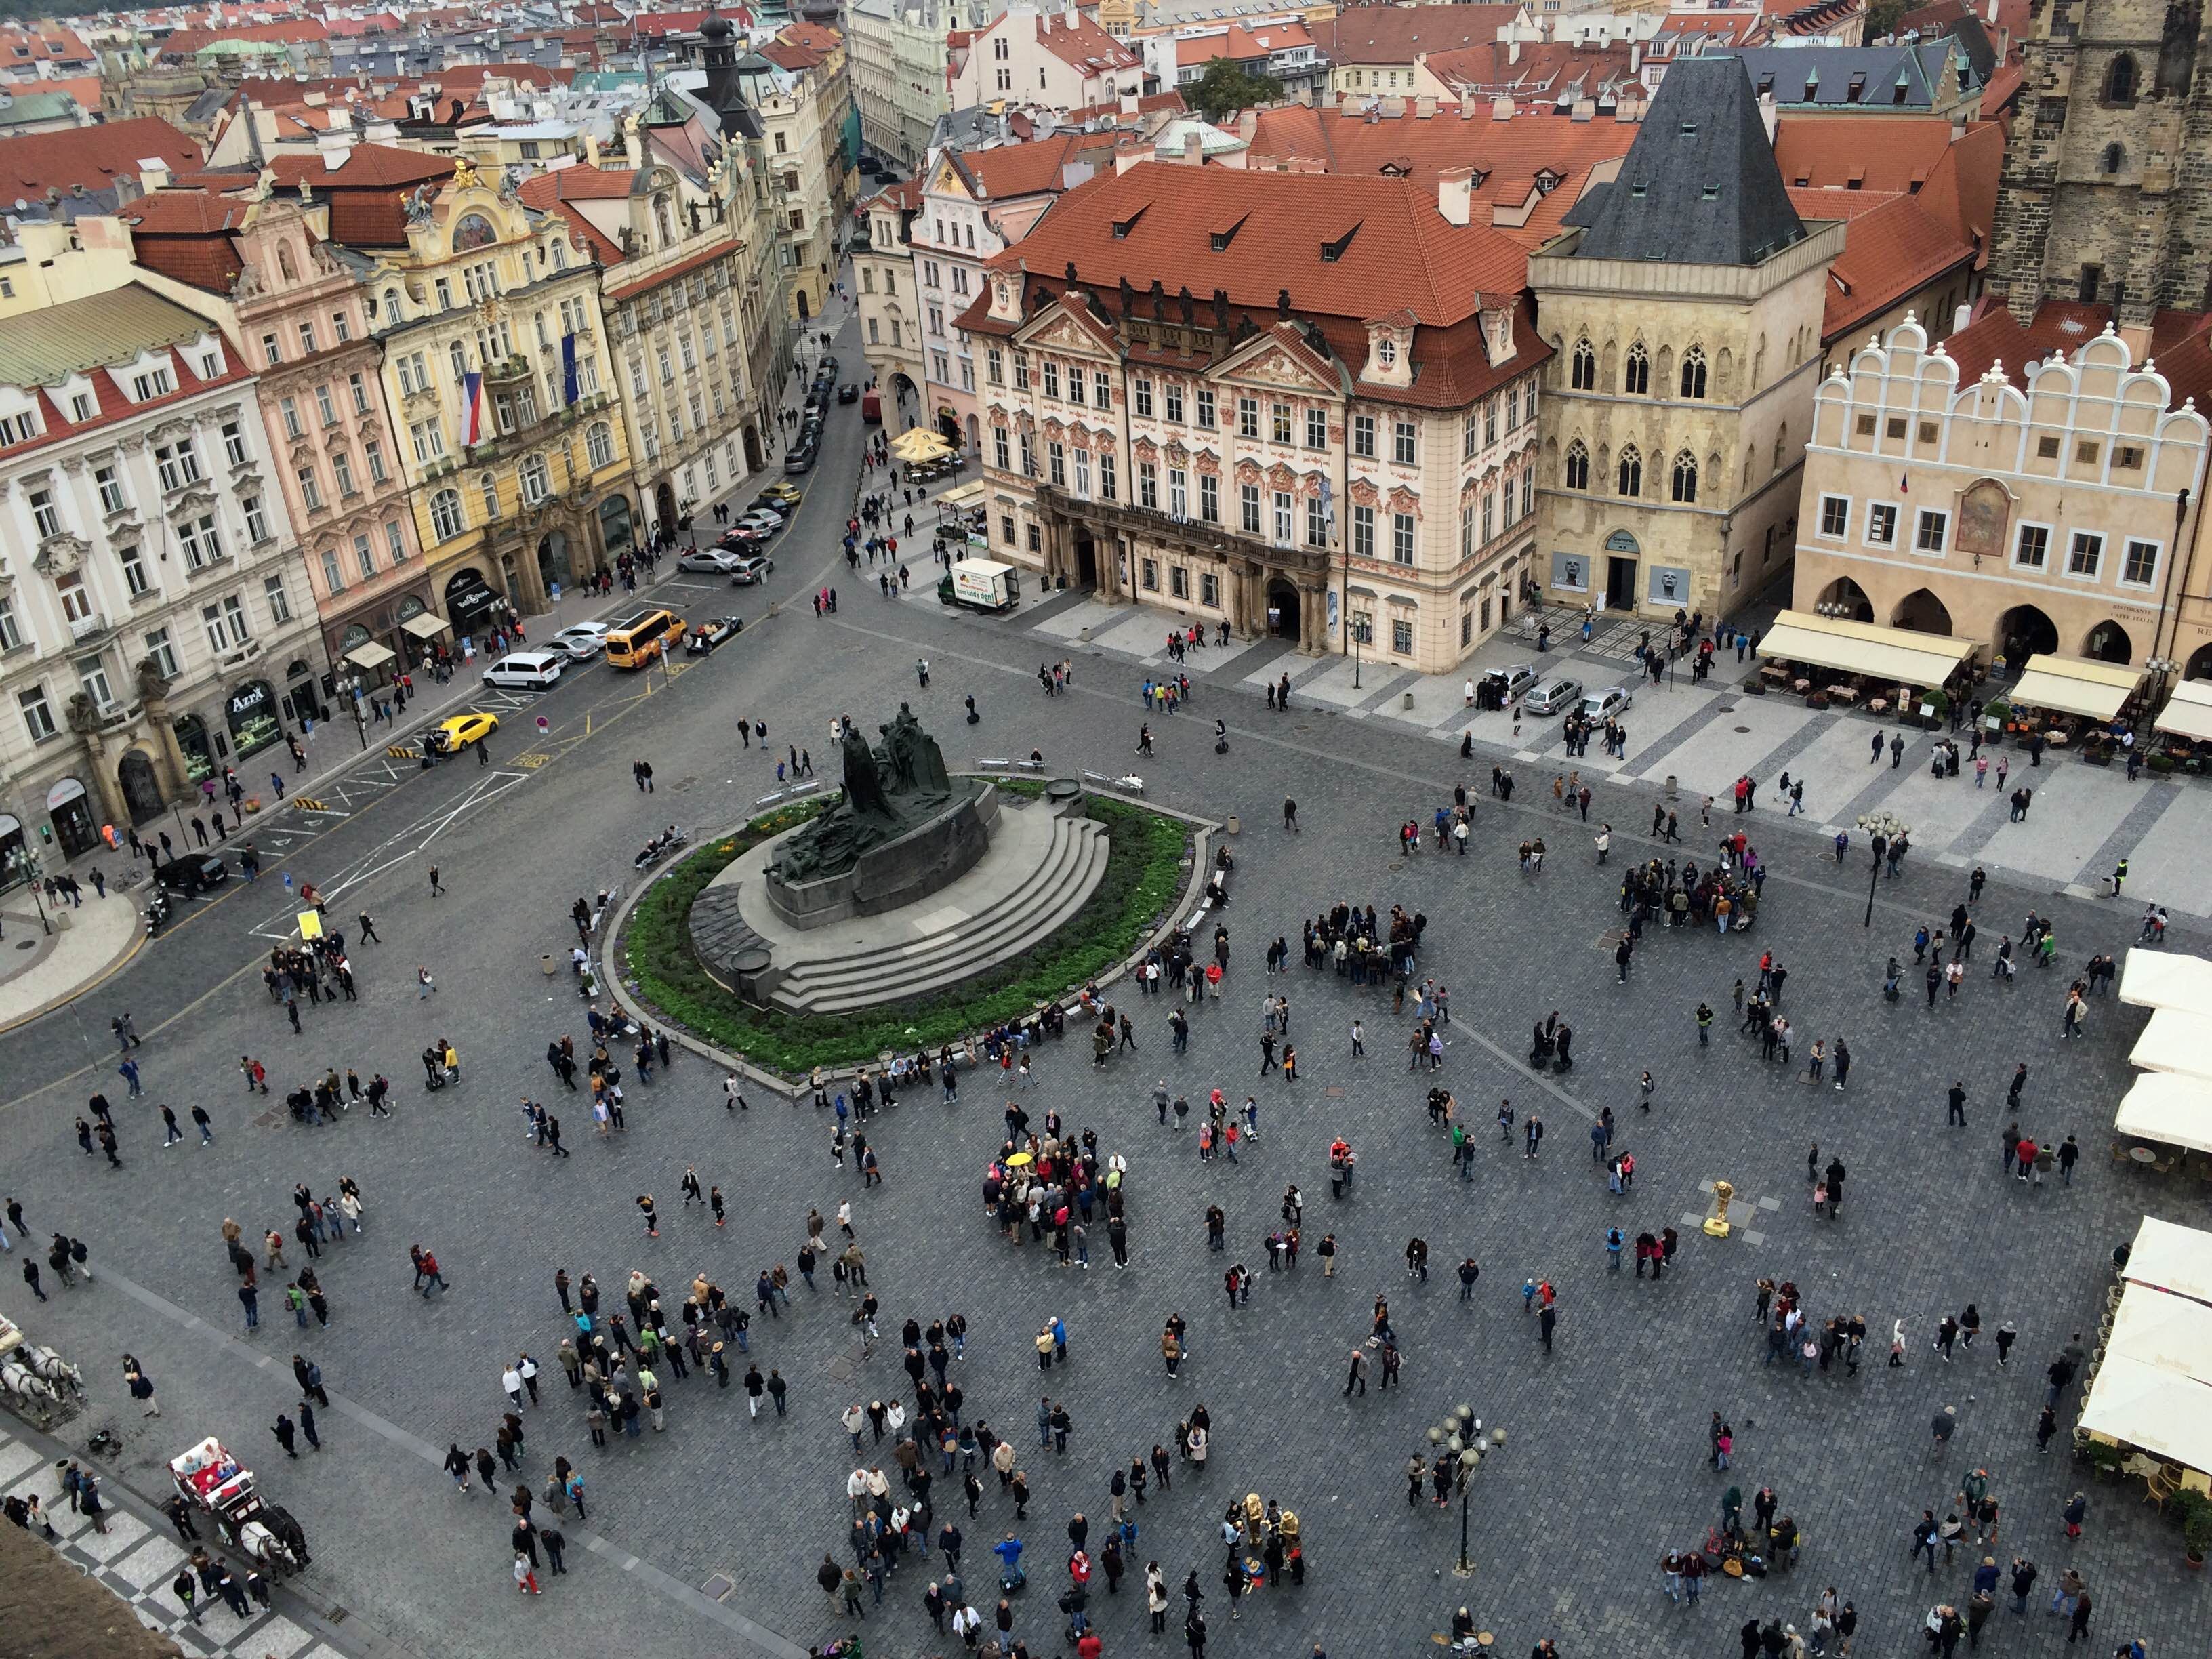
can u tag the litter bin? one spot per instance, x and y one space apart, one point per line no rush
1236 825
1409 701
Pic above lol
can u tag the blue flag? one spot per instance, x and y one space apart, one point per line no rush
568 368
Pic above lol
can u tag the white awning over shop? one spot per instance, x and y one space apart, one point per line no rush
2177 1042
2164 1412
962 494
1894 654
2187 713
2172 1258
2174 1111
371 656
2165 979
427 626
2073 685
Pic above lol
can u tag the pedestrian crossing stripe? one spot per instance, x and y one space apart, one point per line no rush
531 762
401 751
309 803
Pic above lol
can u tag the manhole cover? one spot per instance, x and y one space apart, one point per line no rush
1333 1093
1728 709
1741 729
1301 728
717 1587
26 944
1395 864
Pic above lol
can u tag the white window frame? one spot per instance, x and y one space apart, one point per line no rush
1873 513
2073 538
2049 533
2158 562
1920 517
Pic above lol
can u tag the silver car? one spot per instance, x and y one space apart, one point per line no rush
1554 696
1601 706
582 640
712 560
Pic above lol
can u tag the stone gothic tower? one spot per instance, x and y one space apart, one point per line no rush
2107 184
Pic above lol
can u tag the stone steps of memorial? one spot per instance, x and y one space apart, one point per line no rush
1026 913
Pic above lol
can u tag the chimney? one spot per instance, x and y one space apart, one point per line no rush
1194 150
1424 108
1501 108
1466 104
633 147
153 174
1635 57
590 149
1454 189
1513 49
1129 101
1965 313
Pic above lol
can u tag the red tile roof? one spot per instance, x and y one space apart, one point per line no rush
1507 156
1150 104
1892 246
291 31
1396 34
470 77
187 235
1241 42
1007 171
1954 179
814 37
1082 46
546 192
1398 253
788 54
93 156
2180 345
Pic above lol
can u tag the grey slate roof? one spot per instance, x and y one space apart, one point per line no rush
1700 185
1819 77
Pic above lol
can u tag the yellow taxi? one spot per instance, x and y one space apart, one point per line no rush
451 736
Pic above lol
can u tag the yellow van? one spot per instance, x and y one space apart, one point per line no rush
638 639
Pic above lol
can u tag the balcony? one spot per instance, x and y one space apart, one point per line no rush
508 370
85 629
1216 539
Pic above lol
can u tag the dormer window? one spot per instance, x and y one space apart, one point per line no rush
1386 352
153 383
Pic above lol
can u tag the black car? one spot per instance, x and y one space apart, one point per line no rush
848 393
191 875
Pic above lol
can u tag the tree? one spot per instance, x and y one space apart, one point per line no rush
1227 87
1882 18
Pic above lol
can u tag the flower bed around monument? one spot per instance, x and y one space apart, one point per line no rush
1143 881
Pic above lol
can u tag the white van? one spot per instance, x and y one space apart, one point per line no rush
525 671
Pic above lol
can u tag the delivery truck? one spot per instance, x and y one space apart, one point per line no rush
980 585
871 406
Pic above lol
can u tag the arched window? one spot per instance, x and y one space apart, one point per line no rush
2120 79
1685 484
1693 372
1585 375
392 307
446 514
1781 445
1631 471
1636 373
2115 158
488 485
599 444
1577 470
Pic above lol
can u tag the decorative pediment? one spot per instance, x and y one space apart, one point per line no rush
1364 493
1146 450
1080 437
197 498
1312 484
1106 443
1063 327
1208 465
1280 476
1055 427
1270 360
1025 422
1247 472
1405 500
1177 455
60 555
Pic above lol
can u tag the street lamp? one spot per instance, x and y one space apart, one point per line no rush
24 861
1458 1439
1362 633
1887 830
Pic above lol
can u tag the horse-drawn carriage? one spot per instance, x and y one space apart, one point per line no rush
35 1377
210 1479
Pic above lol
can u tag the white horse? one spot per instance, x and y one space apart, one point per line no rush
26 1384
50 1367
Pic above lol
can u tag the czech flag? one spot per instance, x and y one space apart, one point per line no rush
476 418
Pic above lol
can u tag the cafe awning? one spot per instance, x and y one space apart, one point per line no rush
2073 685
2169 1332
2187 713
2174 1111
371 656
2165 1413
2172 1258
2177 1042
2167 979
1897 655
962 494
427 626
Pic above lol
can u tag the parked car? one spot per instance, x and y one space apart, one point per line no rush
1503 687
1554 696
190 875
712 560
734 540
747 569
1600 707
582 640
760 520
799 459
450 737
779 492
828 367
706 635
526 670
